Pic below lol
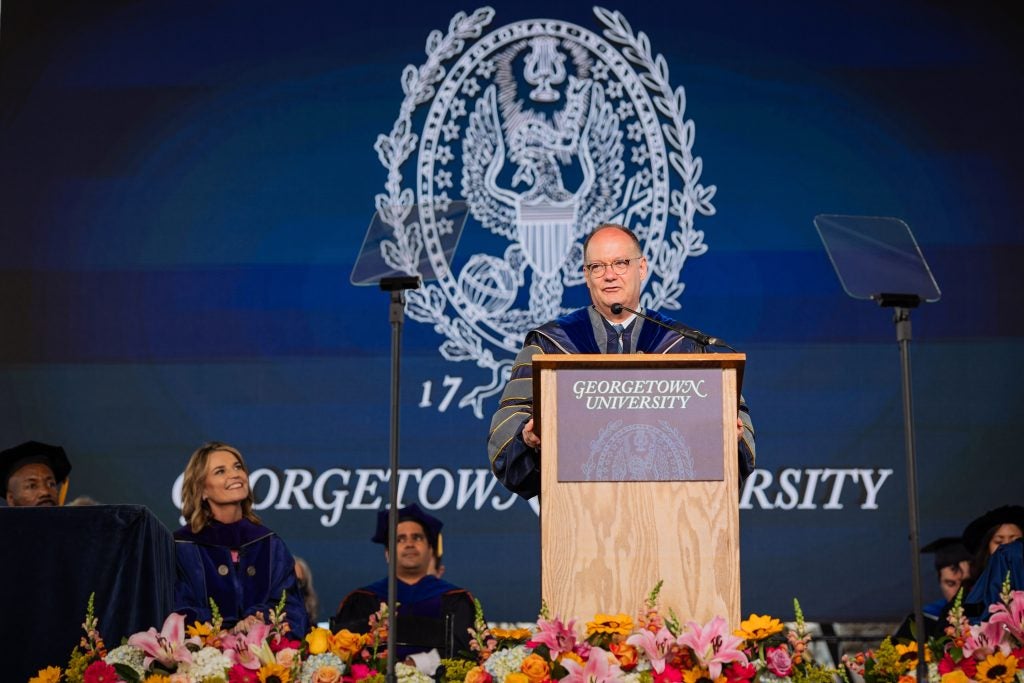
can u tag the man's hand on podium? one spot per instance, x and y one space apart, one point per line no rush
529 438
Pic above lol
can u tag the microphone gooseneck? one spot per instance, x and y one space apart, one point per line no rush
688 332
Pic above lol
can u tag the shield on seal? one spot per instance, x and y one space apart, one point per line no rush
546 231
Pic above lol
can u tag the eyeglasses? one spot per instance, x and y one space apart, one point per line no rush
618 266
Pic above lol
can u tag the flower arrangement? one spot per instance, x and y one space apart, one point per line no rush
989 652
649 649
612 648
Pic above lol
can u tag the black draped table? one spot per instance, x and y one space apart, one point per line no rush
53 558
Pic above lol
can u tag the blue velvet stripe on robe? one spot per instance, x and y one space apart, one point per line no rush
264 570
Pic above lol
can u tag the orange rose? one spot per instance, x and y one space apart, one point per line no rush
344 644
326 674
517 677
536 668
478 675
626 654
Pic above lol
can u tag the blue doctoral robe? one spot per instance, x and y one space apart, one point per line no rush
516 465
254 583
1006 561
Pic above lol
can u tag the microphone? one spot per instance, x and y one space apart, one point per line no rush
688 332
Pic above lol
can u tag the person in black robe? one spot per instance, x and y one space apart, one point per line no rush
432 613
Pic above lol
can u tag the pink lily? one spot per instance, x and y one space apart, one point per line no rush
598 669
558 637
250 649
167 646
656 645
713 645
984 639
1011 617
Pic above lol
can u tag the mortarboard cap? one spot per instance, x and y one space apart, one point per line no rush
975 532
949 551
13 459
410 513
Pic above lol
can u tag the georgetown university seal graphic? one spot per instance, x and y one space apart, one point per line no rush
545 130
638 452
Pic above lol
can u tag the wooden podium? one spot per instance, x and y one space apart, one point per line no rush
605 544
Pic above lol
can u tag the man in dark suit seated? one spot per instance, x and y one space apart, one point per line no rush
431 613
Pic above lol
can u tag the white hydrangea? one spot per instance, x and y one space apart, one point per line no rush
631 677
207 663
504 662
129 655
410 674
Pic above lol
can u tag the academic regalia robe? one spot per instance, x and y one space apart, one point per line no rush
515 464
254 583
422 607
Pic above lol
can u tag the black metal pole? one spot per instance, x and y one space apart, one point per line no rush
901 317
396 315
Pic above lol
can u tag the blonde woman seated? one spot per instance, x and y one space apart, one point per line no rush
224 552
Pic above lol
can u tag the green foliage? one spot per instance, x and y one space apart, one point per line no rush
455 670
672 623
126 673
885 666
652 597
75 670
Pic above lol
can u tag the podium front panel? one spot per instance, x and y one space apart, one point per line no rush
605 544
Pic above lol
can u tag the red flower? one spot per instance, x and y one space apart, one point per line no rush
239 674
101 672
359 672
669 675
736 672
283 643
970 668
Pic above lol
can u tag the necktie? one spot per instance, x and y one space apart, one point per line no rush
619 330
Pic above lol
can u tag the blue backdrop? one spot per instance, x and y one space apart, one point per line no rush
184 188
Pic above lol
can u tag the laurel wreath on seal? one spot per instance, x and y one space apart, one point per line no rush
667 259
394 206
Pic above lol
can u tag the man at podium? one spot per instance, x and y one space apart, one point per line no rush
615 269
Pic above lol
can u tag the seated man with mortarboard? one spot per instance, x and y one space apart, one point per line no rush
431 613
34 474
952 568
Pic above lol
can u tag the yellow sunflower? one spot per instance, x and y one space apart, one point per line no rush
570 655
613 624
274 673
699 674
50 674
758 627
511 634
907 655
998 668
955 676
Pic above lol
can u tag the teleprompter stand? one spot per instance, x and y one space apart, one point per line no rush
395 258
877 258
